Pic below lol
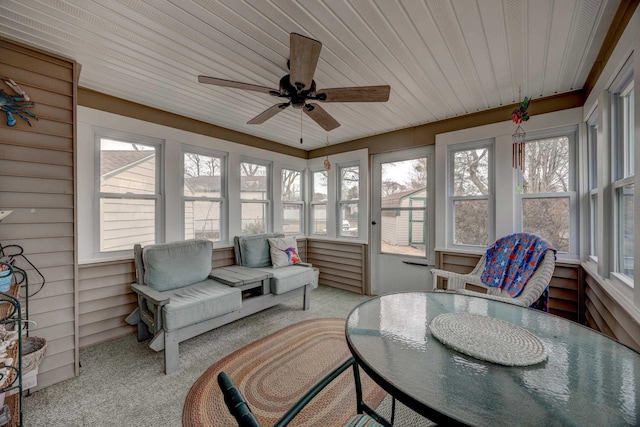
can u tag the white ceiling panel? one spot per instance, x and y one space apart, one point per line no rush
441 58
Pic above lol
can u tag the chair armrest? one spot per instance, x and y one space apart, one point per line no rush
157 298
456 280
236 402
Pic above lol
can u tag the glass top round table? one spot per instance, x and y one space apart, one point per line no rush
587 379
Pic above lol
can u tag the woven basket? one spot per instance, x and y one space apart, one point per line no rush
33 349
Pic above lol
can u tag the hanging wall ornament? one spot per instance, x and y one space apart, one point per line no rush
327 163
15 104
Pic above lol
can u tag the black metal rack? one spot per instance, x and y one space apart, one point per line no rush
11 314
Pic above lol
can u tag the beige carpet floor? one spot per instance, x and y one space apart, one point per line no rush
121 383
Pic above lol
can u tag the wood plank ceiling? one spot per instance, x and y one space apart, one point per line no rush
442 58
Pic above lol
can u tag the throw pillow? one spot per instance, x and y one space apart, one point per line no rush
283 251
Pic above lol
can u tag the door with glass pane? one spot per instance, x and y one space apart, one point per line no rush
402 221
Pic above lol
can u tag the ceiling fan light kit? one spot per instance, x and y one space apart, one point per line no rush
299 87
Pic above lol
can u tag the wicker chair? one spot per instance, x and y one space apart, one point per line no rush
534 288
240 410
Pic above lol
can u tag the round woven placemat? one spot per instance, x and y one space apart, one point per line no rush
489 339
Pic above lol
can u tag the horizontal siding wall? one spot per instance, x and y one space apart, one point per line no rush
566 295
223 257
342 264
105 297
37 184
604 314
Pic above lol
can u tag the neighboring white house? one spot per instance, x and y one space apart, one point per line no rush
125 221
404 227
202 217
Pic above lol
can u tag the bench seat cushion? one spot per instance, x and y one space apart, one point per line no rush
174 265
289 278
253 250
199 302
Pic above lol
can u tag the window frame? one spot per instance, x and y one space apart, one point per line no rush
571 132
268 202
621 130
100 133
301 203
224 224
428 210
313 204
340 202
489 144
592 187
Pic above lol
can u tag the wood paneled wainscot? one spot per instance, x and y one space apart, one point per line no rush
566 290
614 316
342 264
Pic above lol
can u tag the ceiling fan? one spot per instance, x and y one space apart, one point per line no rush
299 87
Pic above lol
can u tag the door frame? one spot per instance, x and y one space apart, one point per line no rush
375 252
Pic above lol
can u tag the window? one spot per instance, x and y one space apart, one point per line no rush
592 141
547 199
129 190
292 202
348 198
319 184
404 229
203 194
470 194
623 178
255 197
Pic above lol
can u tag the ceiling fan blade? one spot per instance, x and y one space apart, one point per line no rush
321 117
235 85
303 58
355 94
268 113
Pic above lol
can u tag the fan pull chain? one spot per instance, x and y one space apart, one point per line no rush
301 126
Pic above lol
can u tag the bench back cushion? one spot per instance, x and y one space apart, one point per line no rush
253 250
177 264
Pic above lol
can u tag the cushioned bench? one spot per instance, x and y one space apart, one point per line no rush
257 251
178 300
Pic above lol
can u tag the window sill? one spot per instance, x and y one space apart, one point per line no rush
353 240
462 250
105 260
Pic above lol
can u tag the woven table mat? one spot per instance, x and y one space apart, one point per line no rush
489 339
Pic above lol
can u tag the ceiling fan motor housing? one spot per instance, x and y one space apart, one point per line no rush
296 96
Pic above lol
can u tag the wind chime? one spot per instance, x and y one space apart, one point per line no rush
519 115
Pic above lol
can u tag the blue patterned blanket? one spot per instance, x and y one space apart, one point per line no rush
512 260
